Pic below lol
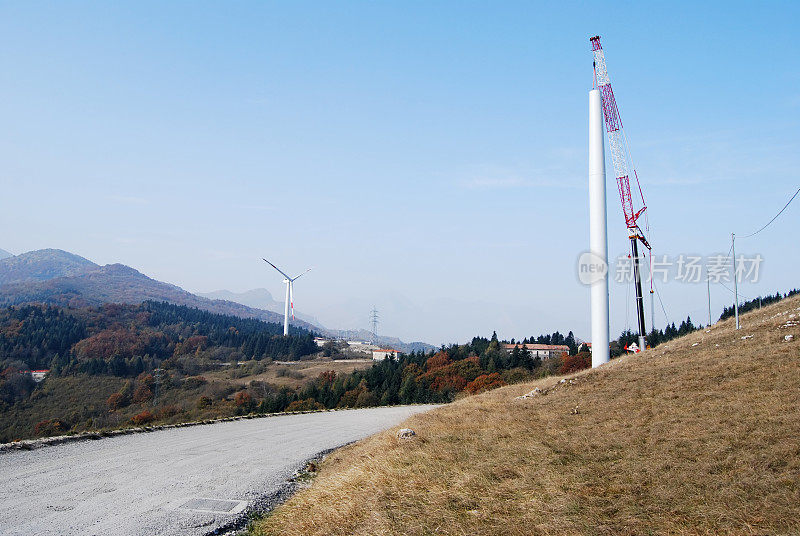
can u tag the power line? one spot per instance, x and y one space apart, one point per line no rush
732 291
666 318
776 215
728 256
732 249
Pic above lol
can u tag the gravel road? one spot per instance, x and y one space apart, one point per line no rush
182 481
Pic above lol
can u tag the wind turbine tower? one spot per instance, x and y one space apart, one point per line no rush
598 226
289 295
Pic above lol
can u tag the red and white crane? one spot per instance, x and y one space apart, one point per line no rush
633 206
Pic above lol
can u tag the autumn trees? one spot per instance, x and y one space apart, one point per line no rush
126 340
574 363
413 378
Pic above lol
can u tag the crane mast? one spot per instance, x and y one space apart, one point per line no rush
620 158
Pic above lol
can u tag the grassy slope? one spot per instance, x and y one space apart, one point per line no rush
71 398
681 440
299 372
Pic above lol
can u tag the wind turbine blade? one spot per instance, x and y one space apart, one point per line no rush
304 273
291 297
281 271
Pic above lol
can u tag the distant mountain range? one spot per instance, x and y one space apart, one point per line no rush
57 277
381 340
42 265
259 298
61 278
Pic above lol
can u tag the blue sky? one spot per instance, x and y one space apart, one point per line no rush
427 158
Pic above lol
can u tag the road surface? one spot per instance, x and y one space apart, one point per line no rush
181 481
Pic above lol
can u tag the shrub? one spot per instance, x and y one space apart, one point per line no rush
168 411
349 398
194 382
327 377
192 345
146 378
574 363
115 401
51 427
142 394
516 375
484 382
143 418
285 372
243 398
240 372
452 382
413 370
304 405
437 361
469 368
366 399
204 402
127 390
220 391
15 386
329 349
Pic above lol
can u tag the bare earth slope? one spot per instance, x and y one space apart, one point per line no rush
699 436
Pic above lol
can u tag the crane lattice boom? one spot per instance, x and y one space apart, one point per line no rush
620 157
619 154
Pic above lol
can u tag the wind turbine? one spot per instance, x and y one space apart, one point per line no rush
289 295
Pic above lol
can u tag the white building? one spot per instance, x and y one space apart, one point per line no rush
38 375
382 353
543 351
362 347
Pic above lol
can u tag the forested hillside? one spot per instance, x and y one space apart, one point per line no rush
91 350
155 362
124 340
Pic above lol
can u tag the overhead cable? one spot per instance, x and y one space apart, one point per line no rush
776 215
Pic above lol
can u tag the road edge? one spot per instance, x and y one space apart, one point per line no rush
265 504
32 444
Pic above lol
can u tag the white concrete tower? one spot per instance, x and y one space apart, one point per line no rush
598 243
286 306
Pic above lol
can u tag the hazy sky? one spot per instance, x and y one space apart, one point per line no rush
428 158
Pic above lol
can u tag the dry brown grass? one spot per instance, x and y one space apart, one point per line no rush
684 439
